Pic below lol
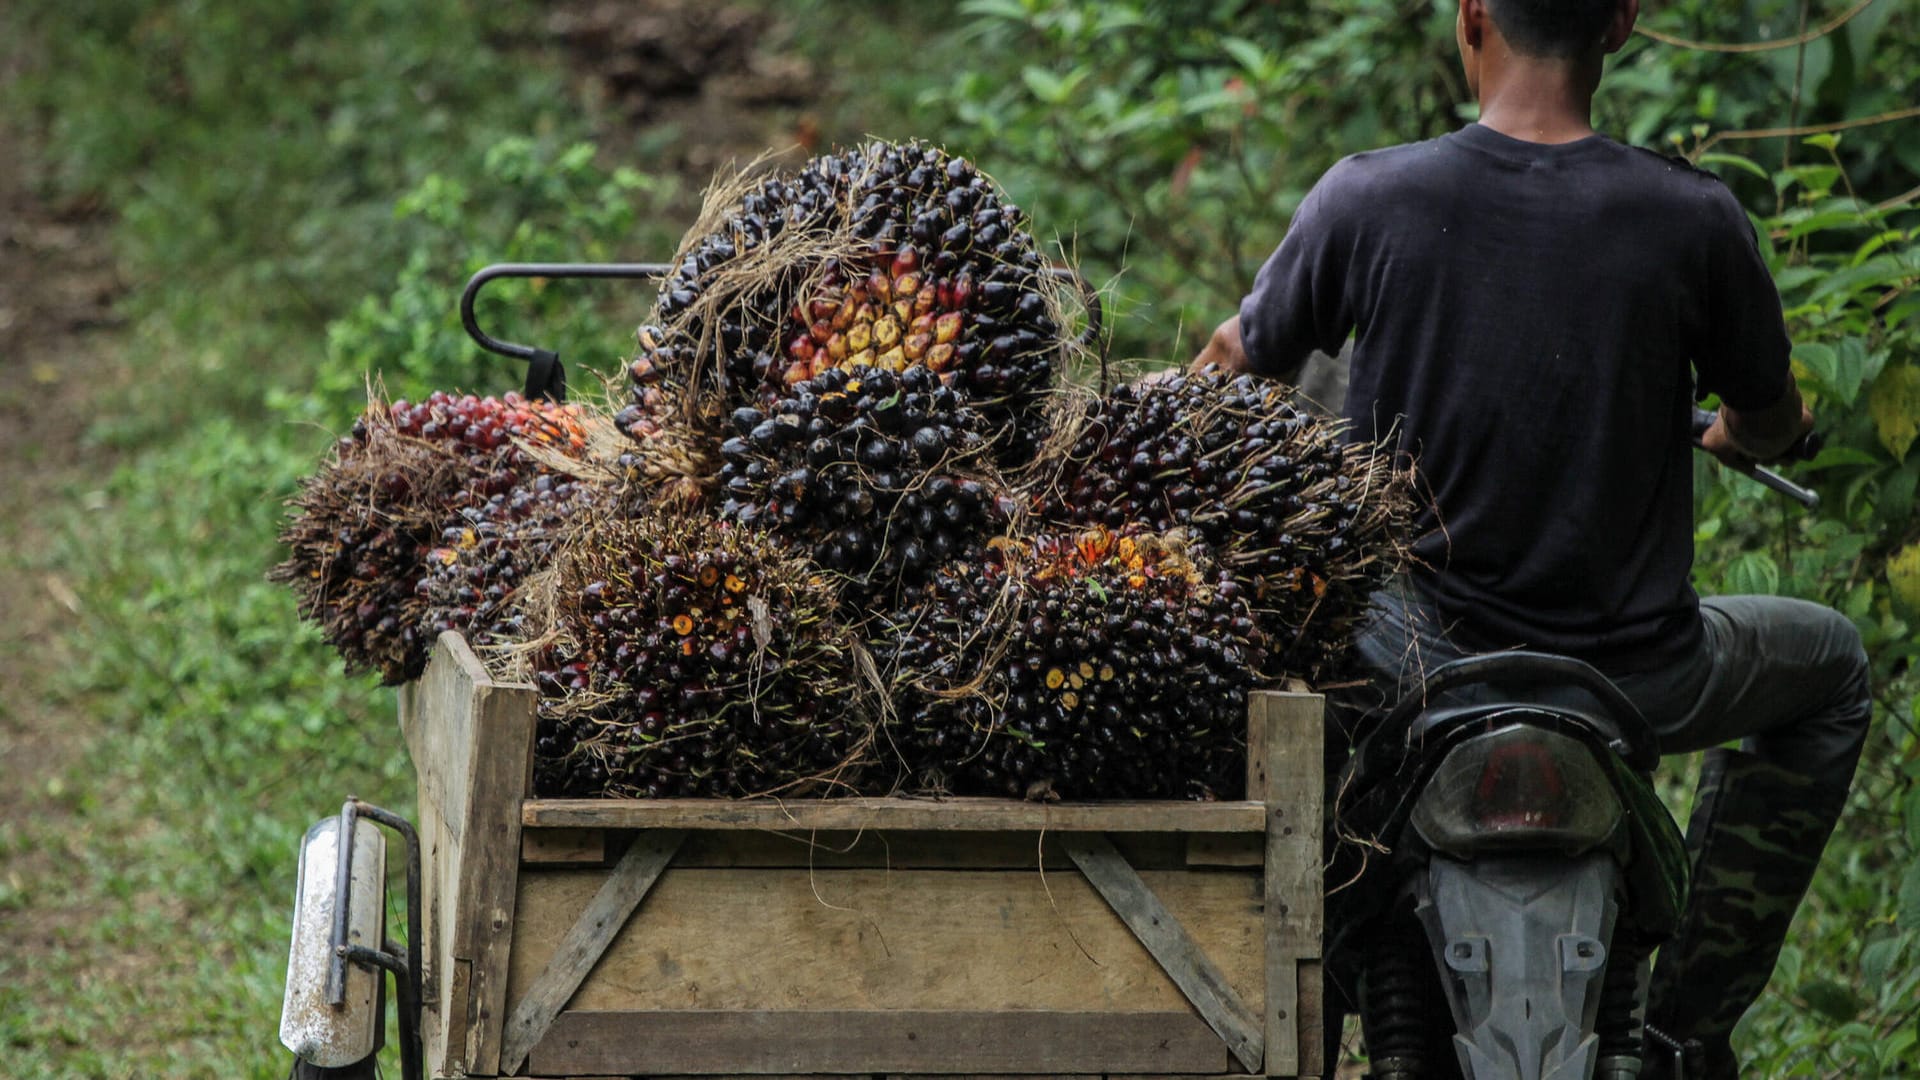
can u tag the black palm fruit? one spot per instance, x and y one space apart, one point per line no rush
888 255
362 527
1079 665
1310 521
877 476
475 572
691 658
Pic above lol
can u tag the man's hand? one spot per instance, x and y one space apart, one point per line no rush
1744 436
1224 349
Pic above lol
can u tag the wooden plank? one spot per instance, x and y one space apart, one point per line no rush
563 847
928 940
606 915
1183 961
819 1041
1237 850
1289 725
891 850
1313 1046
930 815
472 747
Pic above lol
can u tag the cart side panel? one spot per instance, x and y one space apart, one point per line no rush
961 940
472 746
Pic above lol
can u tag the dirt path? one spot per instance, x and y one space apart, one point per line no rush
60 345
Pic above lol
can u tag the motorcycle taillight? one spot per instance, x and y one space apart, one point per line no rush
1522 787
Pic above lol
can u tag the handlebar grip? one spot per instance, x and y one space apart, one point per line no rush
1806 448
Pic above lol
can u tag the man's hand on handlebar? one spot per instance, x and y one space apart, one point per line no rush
1780 432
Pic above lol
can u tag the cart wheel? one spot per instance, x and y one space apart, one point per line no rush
367 1068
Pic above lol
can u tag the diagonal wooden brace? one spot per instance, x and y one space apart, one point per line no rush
585 942
1170 945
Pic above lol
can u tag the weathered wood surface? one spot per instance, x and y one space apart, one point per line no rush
1161 932
835 1041
472 747
876 939
1286 729
929 815
605 916
563 847
877 850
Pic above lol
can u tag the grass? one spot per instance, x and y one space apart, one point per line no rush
254 157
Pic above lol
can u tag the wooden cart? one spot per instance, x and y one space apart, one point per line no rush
872 937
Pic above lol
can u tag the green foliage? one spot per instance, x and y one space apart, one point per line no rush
1173 139
542 205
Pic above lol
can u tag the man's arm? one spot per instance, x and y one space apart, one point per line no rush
1741 435
1224 349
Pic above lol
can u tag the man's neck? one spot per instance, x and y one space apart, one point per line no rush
1542 101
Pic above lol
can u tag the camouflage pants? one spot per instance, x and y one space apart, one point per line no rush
1790 681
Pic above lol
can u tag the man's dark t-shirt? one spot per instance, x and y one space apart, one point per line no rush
1525 317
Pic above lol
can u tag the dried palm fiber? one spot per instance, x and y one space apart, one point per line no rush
1311 521
1087 664
888 256
361 527
680 656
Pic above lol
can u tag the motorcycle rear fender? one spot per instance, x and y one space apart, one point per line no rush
1522 944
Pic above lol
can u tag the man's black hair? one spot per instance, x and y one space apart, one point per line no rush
1553 28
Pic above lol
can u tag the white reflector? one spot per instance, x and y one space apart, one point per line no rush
317 1032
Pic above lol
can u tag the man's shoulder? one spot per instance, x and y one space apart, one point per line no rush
1363 179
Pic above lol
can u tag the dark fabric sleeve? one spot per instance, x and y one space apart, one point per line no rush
1745 355
1299 300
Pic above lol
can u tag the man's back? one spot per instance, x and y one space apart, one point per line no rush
1526 316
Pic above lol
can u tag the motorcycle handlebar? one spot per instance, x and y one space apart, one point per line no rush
1806 449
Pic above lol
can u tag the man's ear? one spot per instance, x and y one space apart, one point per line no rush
1473 23
1620 27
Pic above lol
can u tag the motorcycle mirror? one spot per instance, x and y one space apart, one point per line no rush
330 1016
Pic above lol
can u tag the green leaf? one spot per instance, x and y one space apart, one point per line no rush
1252 57
1753 572
1830 999
1894 404
1820 360
1737 161
1048 87
1877 959
1909 907
1836 456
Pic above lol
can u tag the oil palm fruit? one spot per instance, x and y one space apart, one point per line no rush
483 558
877 475
1310 522
687 657
1088 664
890 255
362 526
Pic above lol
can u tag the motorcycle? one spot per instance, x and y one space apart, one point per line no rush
1523 872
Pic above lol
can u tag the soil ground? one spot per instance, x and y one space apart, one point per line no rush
59 354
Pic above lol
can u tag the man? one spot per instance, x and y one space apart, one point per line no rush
1533 307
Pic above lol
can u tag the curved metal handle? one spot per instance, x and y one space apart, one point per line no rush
545 377
1533 669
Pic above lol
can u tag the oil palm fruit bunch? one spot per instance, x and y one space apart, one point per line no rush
1310 522
889 255
688 657
1085 664
362 526
879 475
475 573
